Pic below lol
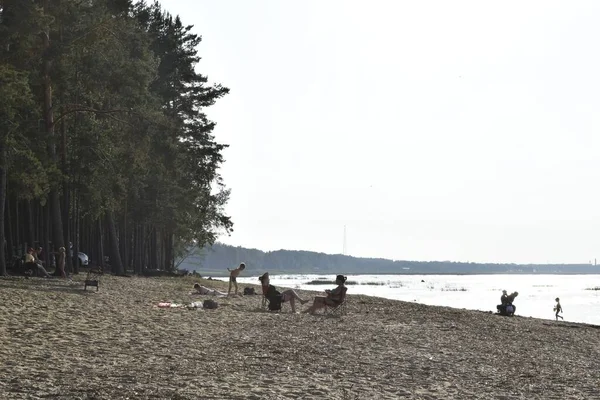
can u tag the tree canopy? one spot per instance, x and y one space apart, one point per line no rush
104 138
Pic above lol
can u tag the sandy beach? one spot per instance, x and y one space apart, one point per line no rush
61 342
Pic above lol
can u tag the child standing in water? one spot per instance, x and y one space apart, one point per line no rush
558 309
232 277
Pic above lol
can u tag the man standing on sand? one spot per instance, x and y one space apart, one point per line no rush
233 276
558 309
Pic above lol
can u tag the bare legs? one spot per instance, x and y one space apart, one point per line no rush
558 316
289 295
235 285
318 303
292 296
43 271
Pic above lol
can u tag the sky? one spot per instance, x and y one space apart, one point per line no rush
430 130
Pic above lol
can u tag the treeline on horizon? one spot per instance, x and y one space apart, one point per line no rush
216 258
104 141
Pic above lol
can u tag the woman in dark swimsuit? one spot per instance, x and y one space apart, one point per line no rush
270 292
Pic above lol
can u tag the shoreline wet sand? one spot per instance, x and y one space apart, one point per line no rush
58 341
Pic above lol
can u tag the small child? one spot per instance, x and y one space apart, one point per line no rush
232 277
558 309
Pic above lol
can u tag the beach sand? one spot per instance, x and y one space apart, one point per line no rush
57 341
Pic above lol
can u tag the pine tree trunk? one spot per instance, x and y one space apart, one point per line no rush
76 239
115 255
169 251
10 245
58 239
17 225
101 247
2 205
46 238
30 226
139 250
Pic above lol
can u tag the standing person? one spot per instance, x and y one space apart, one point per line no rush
233 274
558 309
60 262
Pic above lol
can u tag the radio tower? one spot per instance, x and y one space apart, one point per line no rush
344 249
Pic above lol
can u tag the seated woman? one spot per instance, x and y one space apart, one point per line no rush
203 290
271 293
334 297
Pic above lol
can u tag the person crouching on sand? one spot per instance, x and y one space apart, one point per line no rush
269 291
233 274
558 309
334 297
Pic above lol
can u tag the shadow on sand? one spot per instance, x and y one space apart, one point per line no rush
44 285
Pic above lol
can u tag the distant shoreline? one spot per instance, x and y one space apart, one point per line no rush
273 273
215 259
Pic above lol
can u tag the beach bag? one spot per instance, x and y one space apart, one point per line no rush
248 291
275 303
510 309
210 304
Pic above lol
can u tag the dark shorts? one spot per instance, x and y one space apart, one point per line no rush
232 279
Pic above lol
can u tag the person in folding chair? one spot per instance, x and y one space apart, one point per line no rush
275 298
334 299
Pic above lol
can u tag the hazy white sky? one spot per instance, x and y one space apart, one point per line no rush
434 130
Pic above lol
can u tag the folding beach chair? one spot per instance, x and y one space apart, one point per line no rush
93 278
340 308
272 305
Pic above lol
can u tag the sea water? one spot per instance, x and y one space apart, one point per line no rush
537 293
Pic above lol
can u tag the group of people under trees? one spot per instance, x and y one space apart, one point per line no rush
33 264
275 298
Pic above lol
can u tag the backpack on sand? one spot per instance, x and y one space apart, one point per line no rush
210 304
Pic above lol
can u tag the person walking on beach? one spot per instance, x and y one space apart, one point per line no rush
233 274
558 309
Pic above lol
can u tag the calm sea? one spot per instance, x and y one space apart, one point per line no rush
580 302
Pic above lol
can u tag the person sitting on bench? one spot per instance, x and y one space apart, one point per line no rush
275 297
334 297
35 264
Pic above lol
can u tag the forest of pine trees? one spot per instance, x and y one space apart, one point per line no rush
104 141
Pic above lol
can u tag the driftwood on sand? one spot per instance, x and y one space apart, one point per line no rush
57 341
